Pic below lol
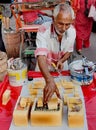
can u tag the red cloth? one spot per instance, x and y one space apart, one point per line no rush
86 43
89 93
6 111
38 74
32 15
90 104
83 24
75 4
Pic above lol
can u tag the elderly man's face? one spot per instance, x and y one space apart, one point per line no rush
62 22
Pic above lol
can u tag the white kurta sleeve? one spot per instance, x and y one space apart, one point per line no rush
41 43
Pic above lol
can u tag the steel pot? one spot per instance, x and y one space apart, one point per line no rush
82 71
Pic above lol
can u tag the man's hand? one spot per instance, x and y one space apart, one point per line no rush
62 60
60 65
49 90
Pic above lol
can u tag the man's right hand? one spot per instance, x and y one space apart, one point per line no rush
49 90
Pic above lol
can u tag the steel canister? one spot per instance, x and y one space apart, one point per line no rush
78 74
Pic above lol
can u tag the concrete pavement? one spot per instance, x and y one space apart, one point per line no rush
90 52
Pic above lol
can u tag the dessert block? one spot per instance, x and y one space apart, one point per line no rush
67 84
68 90
51 115
76 94
6 96
21 111
52 104
23 102
40 102
33 91
65 99
58 84
75 112
38 84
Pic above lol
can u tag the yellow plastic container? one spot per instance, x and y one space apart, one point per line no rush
17 77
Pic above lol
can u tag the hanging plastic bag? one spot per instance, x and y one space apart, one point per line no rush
92 12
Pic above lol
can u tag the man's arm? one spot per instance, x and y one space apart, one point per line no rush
50 86
62 60
44 67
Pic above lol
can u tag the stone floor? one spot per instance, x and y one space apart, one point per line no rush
90 52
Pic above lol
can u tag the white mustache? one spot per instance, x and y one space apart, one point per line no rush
58 32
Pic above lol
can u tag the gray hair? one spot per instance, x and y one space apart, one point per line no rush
65 8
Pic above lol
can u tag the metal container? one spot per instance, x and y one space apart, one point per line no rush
17 72
12 43
82 71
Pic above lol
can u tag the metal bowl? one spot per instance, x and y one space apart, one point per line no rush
78 72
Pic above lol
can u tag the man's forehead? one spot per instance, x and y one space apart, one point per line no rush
62 17
64 14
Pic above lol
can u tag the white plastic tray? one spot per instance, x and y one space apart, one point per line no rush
64 124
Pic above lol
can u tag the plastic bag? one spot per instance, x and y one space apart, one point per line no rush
92 12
